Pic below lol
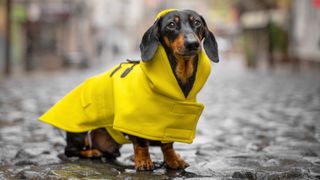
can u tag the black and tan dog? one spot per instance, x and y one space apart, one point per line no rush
181 34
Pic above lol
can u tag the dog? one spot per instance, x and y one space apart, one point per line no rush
176 38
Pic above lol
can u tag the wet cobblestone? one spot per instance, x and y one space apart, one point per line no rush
256 125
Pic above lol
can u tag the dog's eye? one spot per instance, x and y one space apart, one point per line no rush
197 23
171 26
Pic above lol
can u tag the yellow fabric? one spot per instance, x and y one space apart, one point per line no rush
164 12
147 102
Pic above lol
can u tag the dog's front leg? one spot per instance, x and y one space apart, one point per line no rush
171 158
142 158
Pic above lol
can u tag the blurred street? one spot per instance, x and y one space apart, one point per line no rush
262 100
256 124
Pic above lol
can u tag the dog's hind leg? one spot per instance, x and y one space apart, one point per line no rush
102 141
94 144
75 144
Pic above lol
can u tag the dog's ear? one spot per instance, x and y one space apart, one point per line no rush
210 44
149 42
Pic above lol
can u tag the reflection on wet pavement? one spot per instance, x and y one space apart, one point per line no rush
256 124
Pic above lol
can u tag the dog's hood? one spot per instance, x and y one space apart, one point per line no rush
164 12
163 81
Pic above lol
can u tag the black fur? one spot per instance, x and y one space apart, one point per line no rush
149 42
210 44
151 38
75 143
186 88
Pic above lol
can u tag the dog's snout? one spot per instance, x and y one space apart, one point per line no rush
191 42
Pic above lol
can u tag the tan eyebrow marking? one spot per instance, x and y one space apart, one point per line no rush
176 19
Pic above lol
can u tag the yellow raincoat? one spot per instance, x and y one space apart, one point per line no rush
142 99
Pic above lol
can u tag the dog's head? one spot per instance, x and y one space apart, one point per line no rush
182 32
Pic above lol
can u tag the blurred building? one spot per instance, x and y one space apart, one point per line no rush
56 33
305 35
116 25
265 27
2 35
280 31
48 34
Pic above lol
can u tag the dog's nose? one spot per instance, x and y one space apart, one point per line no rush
191 42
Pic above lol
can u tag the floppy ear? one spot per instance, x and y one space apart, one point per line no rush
210 44
149 42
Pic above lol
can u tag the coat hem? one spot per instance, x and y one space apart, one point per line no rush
154 138
74 130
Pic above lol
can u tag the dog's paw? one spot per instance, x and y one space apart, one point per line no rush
144 164
176 162
92 153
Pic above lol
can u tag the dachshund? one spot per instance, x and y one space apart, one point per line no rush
182 34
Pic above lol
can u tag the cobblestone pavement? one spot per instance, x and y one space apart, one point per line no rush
256 125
